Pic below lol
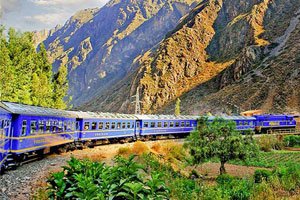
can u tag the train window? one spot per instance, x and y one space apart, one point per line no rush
107 125
159 124
165 124
100 125
146 124
132 125
41 126
60 126
188 124
77 126
1 124
177 124
86 125
246 123
24 127
69 125
119 125
94 125
171 124
240 123
113 125
152 124
128 124
33 127
48 126
65 125
123 125
182 124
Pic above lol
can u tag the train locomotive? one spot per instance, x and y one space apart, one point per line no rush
27 131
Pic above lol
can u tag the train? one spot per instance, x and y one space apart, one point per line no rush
31 130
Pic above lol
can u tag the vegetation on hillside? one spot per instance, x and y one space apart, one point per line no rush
26 75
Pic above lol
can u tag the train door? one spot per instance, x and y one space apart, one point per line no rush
138 125
4 140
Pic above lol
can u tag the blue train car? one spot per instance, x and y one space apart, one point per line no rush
5 128
155 125
268 122
242 123
37 129
98 127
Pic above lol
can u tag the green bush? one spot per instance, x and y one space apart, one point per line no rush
235 188
261 175
84 179
292 140
224 179
269 142
289 176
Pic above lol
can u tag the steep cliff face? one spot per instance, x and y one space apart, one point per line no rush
99 45
224 53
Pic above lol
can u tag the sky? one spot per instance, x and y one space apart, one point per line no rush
30 15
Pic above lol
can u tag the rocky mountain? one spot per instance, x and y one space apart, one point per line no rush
223 55
100 45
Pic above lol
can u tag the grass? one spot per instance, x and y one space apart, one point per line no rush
272 159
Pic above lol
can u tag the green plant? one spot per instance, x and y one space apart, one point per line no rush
292 141
261 175
220 139
84 179
269 142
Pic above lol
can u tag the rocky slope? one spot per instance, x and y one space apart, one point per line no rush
224 54
99 45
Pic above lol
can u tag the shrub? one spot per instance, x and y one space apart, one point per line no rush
269 142
124 151
224 179
261 175
292 140
289 176
84 179
140 148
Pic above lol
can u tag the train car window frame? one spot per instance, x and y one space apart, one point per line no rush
119 125
107 125
146 124
188 124
33 127
113 125
123 125
48 126
41 126
177 124
86 126
128 124
77 127
2 124
24 128
171 124
100 125
94 126
152 125
65 127
165 124
159 124
182 124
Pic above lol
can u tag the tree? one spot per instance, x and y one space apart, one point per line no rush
220 139
60 87
177 107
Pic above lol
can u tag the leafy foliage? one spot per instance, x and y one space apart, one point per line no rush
292 141
26 75
93 180
269 142
220 139
177 107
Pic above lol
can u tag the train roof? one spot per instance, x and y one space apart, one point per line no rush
99 115
22 109
166 117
